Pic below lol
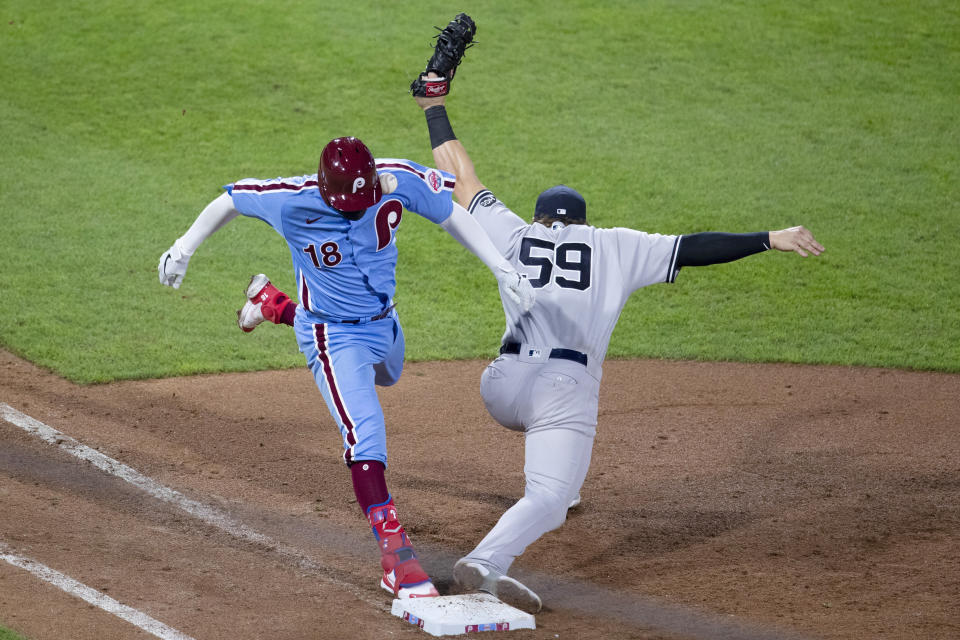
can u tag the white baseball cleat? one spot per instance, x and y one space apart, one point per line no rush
264 302
473 576
574 502
424 589
249 317
252 313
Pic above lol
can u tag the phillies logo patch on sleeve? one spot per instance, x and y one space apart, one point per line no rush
434 180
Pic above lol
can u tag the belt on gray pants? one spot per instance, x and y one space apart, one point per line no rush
562 354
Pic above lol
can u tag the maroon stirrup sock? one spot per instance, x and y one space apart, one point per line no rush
369 484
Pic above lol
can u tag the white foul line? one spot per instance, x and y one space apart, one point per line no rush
94 597
676 619
134 477
201 511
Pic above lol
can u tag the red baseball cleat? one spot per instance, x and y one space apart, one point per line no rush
402 574
264 302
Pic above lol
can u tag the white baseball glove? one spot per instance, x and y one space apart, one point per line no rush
516 287
173 266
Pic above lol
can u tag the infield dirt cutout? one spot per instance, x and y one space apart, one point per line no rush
724 501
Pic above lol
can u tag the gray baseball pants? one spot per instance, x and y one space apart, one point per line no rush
555 403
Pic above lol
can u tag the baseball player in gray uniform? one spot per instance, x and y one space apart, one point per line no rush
546 380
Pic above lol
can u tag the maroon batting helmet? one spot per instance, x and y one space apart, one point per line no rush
347 175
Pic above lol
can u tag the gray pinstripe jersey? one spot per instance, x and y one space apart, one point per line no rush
583 275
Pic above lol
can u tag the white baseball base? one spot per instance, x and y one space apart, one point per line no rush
455 615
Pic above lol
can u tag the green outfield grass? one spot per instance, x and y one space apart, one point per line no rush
121 120
10 634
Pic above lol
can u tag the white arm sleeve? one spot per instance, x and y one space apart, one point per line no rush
470 234
211 219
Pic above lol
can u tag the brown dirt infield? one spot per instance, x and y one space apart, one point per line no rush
724 501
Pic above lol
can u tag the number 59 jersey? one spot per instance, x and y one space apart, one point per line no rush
583 275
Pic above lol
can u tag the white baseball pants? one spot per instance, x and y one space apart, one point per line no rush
555 403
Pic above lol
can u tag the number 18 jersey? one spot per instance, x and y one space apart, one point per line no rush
344 268
583 275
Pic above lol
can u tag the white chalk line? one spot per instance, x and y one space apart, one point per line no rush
91 595
205 513
685 621
134 477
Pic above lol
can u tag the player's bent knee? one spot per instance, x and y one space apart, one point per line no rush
551 507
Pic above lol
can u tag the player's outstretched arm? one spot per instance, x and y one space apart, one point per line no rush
797 239
452 156
449 154
714 247
174 261
468 232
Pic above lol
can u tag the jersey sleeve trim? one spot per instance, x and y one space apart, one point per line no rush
483 193
673 269
449 182
277 185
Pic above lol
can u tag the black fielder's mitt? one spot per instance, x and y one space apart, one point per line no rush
452 41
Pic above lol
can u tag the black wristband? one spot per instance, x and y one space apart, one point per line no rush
711 247
439 126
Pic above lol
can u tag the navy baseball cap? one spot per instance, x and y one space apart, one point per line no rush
561 202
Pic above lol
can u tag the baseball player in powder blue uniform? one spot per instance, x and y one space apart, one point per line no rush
340 226
546 381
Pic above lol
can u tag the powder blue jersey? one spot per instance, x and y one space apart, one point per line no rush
345 269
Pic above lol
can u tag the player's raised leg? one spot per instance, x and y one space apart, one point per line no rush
387 372
265 302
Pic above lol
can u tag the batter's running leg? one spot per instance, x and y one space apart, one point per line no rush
402 574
